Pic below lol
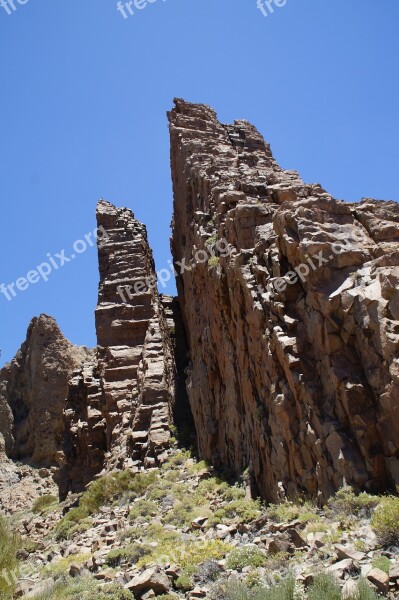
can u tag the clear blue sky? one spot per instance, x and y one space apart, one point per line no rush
83 103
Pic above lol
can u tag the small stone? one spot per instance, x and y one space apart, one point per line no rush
74 570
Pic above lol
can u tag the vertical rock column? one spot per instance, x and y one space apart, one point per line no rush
134 352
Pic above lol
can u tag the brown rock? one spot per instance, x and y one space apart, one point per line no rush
292 326
380 579
151 579
344 552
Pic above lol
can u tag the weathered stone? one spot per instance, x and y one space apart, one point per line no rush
292 322
380 579
151 579
345 552
33 390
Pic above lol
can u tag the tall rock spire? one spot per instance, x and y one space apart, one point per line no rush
294 336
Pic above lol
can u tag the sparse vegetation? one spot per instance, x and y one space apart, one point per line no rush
105 490
248 556
84 588
213 261
382 562
131 554
44 503
324 587
385 521
290 511
347 502
9 545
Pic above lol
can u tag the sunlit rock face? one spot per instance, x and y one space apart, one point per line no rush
293 333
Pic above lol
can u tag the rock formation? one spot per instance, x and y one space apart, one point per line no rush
134 351
294 335
285 335
33 388
86 411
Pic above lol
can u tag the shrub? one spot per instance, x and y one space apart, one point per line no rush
84 588
102 491
324 586
347 502
383 563
144 508
249 556
365 591
213 261
290 511
43 503
130 554
9 545
385 521
242 509
184 583
236 590
187 554
62 566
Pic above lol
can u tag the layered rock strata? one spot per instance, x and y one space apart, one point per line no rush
135 359
89 411
294 334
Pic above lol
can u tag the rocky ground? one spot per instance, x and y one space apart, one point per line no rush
181 531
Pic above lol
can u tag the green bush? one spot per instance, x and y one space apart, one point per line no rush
236 590
184 583
385 521
213 261
242 509
249 556
10 543
324 587
144 509
347 502
130 554
383 563
290 511
365 591
84 588
103 491
43 503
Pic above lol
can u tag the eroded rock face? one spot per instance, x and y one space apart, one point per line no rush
294 374
119 406
135 360
90 411
33 389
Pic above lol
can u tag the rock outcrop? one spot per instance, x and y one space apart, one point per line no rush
135 359
33 388
293 329
120 402
87 411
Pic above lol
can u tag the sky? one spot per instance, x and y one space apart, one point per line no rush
84 96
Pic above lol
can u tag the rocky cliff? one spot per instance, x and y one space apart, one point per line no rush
285 334
33 388
119 406
86 411
293 329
